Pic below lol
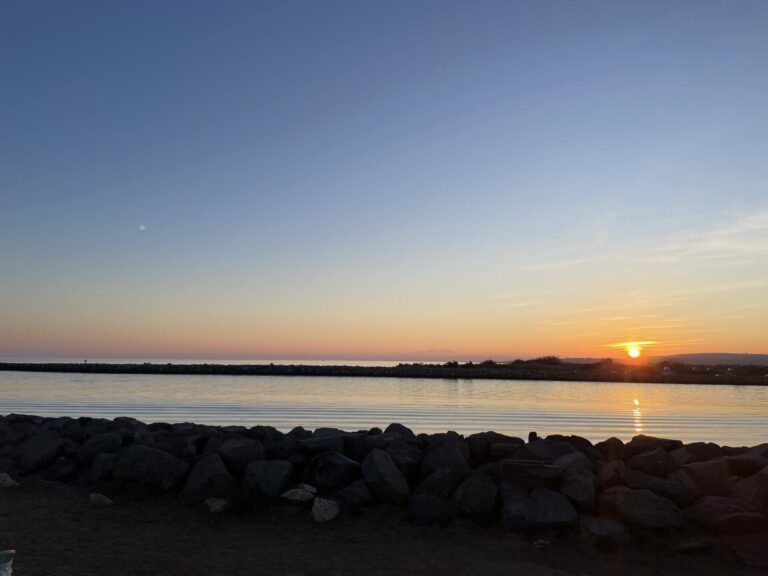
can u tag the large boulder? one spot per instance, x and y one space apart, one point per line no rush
657 462
639 507
39 451
150 468
318 445
268 478
102 466
537 508
579 486
610 449
642 443
529 473
549 450
356 495
726 515
752 490
710 476
384 478
331 471
479 445
107 442
209 479
746 464
402 431
442 483
447 455
477 495
425 509
237 453
678 487
406 456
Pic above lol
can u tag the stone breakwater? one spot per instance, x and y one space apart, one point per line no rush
610 493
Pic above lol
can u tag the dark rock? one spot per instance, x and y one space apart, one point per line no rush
384 478
752 490
538 508
356 446
63 470
610 449
102 466
299 433
381 441
407 457
678 487
39 451
702 451
237 453
639 507
579 486
403 431
610 473
499 450
752 550
355 496
605 533
477 495
726 515
281 448
529 473
444 456
550 451
331 471
108 442
641 443
746 464
66 427
574 460
424 509
265 434
657 462
479 446
150 467
532 437
209 479
328 432
709 477
268 478
442 483
323 444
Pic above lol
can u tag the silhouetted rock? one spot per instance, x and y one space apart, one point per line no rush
407 457
384 478
150 468
641 443
442 483
444 456
209 478
331 471
477 495
726 515
529 473
355 496
39 451
108 442
639 507
268 478
709 477
237 453
657 462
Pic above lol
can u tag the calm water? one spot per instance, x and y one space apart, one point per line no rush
726 414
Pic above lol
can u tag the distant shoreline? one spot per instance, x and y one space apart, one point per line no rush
521 370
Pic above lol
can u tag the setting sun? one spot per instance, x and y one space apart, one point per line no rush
634 351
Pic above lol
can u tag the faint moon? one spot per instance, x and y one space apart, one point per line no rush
142 227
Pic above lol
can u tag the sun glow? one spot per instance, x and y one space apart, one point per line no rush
634 351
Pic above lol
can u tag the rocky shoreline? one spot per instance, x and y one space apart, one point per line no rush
604 371
611 494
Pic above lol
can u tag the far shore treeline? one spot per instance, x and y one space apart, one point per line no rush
543 368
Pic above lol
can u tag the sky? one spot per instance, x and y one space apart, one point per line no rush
382 180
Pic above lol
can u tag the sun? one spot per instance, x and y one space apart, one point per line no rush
634 351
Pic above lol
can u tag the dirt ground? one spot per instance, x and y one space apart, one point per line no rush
56 532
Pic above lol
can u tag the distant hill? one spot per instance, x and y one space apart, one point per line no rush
720 358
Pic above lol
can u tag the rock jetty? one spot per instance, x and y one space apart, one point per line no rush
611 494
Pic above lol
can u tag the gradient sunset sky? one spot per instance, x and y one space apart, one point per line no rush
423 180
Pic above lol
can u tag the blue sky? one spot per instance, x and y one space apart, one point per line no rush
389 179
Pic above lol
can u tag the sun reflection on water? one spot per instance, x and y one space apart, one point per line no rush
637 416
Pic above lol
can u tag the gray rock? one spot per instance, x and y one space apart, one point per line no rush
657 462
642 443
605 533
574 460
324 510
96 499
216 505
384 478
322 444
537 508
639 507
209 479
477 495
6 481
268 478
39 451
356 495
752 490
529 473
550 451
331 471
425 509
479 446
297 496
726 515
150 468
